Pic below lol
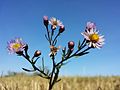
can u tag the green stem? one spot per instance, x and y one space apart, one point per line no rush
52 76
83 43
52 33
35 68
48 34
72 56
53 43
56 76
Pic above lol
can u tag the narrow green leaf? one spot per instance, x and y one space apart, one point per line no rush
27 70
82 53
79 45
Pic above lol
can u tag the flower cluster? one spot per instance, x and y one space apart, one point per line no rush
91 40
51 37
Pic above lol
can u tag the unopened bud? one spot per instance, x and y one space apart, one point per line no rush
45 20
71 45
37 53
62 28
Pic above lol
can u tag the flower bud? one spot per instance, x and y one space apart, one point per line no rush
61 29
37 53
71 45
45 20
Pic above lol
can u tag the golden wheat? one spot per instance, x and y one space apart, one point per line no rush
22 82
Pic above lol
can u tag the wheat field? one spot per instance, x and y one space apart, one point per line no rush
23 82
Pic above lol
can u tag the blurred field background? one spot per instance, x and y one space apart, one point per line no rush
22 81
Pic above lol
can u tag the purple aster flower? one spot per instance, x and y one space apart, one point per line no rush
93 38
90 26
16 45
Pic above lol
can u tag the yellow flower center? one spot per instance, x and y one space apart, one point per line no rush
16 46
55 22
94 37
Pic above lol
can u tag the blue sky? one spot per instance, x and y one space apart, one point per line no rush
23 18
